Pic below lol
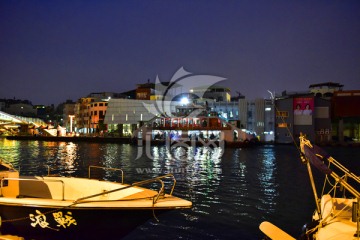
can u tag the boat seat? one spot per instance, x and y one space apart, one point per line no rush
326 206
341 207
10 188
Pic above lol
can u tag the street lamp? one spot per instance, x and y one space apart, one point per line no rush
71 121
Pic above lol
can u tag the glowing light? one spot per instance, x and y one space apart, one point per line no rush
184 101
71 122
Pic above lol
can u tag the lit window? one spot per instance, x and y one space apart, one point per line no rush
282 114
283 125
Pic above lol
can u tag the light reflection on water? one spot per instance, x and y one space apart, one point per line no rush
267 179
224 186
233 190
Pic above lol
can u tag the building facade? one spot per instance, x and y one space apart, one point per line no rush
302 114
279 120
257 117
96 113
21 109
124 116
82 123
216 93
69 115
325 90
345 113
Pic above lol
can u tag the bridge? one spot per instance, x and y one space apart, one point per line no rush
10 124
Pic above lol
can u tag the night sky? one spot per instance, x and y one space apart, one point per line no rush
51 51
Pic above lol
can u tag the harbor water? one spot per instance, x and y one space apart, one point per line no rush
232 189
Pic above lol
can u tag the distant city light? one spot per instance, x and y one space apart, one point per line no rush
184 101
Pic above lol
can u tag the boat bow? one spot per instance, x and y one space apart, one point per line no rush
337 215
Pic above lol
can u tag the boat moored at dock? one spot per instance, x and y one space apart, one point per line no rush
201 129
57 207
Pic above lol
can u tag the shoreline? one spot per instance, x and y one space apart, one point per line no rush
72 139
128 140
123 140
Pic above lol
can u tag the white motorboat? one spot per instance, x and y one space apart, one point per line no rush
57 207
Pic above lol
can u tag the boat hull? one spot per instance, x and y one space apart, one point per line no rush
34 222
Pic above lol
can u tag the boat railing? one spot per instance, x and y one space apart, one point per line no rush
343 179
34 180
342 174
343 169
106 168
158 179
161 190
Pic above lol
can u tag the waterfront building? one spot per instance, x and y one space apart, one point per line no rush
215 92
302 113
124 116
104 96
257 116
41 111
69 115
325 90
96 113
155 91
334 114
272 120
346 115
264 120
145 91
89 112
243 113
229 111
89 115
25 109
82 123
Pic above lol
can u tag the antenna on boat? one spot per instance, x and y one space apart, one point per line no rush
307 162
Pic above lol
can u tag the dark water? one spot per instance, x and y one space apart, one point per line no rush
232 190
